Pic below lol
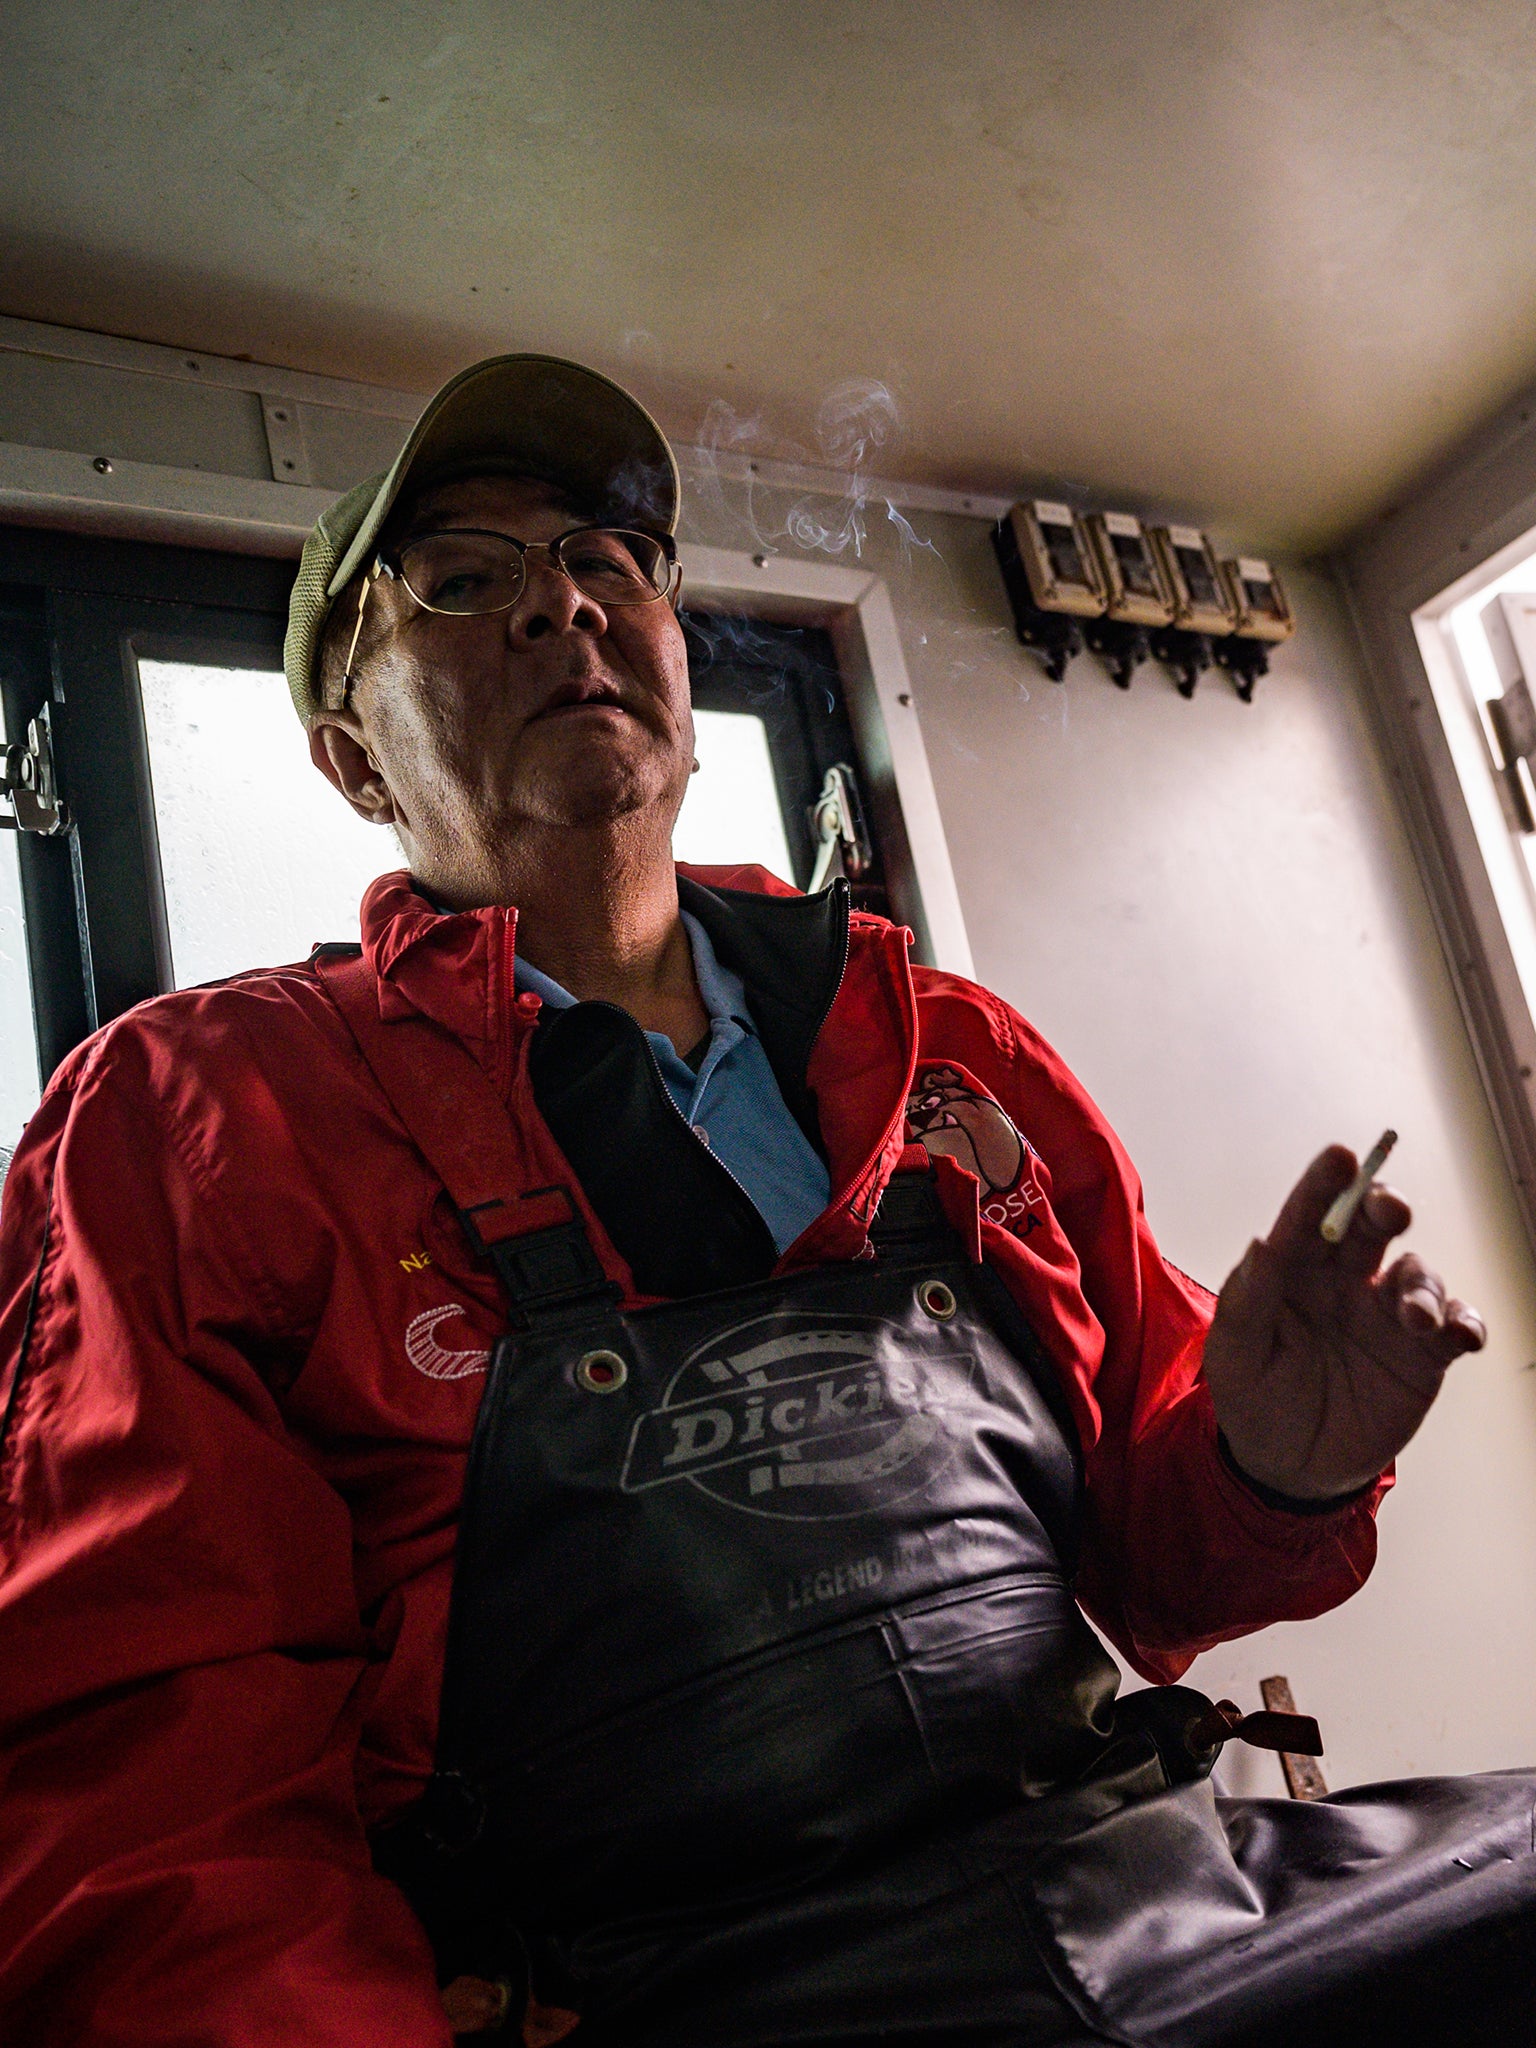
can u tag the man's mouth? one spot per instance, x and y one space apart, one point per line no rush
582 696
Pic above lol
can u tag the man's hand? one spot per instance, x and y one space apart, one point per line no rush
1322 1366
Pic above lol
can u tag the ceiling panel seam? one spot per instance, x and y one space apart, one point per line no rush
268 382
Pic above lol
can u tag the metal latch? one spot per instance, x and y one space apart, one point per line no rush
1513 718
837 825
29 784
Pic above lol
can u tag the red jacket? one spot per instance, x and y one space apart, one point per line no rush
242 1343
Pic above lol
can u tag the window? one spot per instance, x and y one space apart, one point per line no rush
1419 580
1481 692
1454 693
259 857
731 811
784 681
1482 687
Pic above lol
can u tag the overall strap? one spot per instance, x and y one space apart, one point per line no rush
535 1238
910 1222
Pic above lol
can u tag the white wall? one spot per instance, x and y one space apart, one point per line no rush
1210 908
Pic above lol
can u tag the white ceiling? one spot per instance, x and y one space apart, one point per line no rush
1260 260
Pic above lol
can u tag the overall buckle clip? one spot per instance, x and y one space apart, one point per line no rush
544 1266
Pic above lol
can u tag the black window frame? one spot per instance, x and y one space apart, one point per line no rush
74 611
787 675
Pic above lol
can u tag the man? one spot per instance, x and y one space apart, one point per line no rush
758 1336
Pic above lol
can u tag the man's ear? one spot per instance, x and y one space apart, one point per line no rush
346 764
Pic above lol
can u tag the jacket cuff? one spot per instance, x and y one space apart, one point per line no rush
1286 1503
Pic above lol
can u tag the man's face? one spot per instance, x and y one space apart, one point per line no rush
555 713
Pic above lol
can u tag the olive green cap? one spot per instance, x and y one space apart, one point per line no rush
535 415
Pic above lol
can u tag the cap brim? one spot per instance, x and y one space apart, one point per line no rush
542 416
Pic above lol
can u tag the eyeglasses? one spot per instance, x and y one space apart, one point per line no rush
465 573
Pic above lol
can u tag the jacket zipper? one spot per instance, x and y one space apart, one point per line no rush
684 1120
842 969
842 972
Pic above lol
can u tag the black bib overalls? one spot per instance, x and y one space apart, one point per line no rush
768 1714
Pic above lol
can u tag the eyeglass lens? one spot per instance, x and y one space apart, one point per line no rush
484 572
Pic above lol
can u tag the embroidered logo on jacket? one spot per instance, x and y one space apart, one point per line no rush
804 1420
947 1113
430 1357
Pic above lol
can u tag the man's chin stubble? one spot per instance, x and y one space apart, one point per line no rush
589 806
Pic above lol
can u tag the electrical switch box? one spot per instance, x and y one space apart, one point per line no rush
1257 597
1057 558
1194 579
1133 580
1131 594
1052 579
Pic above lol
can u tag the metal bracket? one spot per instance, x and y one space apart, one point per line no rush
29 784
287 448
837 824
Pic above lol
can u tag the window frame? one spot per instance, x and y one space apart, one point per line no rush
1456 534
853 606
92 899
786 678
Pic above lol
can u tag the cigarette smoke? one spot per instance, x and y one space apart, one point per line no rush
855 419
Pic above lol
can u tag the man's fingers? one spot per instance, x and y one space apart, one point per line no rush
1416 1297
1463 1330
1383 1211
1416 1294
1381 1215
1306 1205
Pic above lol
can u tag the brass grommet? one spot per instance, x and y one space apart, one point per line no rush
936 1300
601 1372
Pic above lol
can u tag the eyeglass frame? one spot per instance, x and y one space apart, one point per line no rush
524 548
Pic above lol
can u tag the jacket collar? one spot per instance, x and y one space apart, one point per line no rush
832 1000
453 966
790 951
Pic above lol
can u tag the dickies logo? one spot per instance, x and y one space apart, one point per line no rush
948 1113
803 1418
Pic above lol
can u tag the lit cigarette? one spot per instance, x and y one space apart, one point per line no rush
1341 1212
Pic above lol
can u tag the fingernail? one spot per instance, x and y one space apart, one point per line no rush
1424 1305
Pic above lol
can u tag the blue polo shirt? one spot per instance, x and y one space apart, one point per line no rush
733 1102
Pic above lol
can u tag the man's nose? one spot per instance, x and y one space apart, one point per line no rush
551 603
